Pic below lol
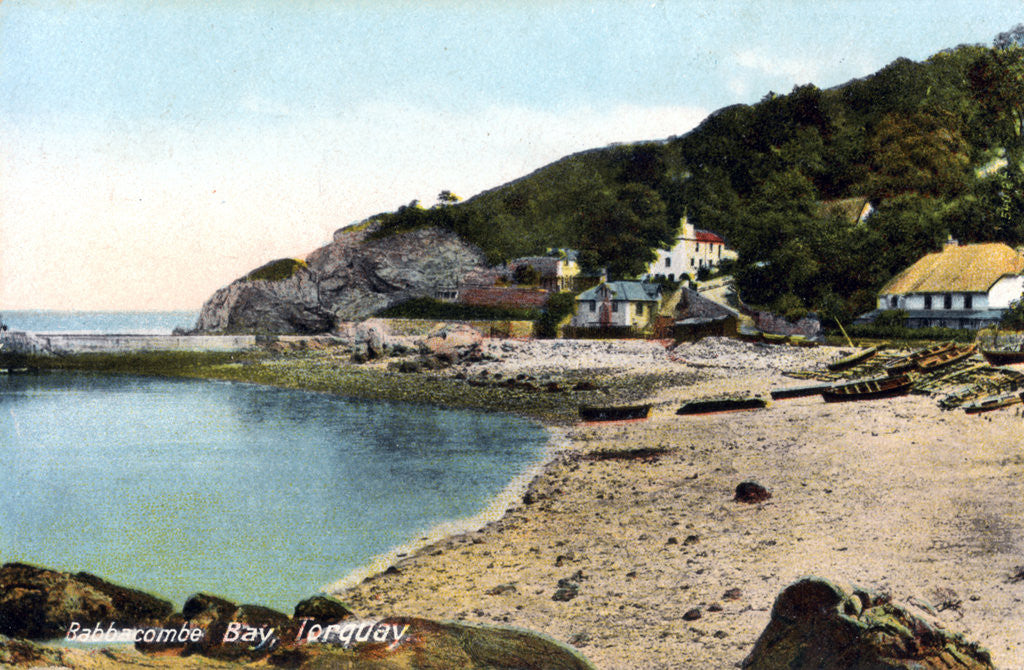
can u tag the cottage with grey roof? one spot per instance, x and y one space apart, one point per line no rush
631 304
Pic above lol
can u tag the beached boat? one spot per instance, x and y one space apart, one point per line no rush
1003 356
798 391
992 402
944 358
622 413
903 364
869 389
711 405
853 359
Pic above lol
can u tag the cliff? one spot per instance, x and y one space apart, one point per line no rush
351 278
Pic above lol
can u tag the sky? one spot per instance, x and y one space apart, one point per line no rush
153 151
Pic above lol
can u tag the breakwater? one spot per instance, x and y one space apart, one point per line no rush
81 343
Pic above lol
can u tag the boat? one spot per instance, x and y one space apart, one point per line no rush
1003 356
989 403
853 359
774 338
798 391
711 405
903 364
869 389
620 413
944 358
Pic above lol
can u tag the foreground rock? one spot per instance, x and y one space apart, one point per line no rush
37 603
348 279
816 624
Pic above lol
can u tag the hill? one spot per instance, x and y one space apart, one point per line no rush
910 138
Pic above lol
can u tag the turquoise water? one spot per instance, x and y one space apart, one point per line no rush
123 323
253 493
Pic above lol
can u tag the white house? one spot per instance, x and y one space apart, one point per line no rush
694 249
617 303
967 286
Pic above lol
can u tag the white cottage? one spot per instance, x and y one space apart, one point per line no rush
966 286
694 249
617 304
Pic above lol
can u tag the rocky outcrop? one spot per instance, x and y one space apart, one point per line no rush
287 305
348 279
816 624
37 603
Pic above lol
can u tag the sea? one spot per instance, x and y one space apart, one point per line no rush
122 323
256 494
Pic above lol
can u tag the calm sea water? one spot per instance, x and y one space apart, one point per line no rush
253 493
124 323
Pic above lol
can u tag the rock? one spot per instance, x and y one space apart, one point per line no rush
351 278
692 614
28 654
816 624
751 492
287 305
500 589
568 587
213 615
322 610
37 603
732 594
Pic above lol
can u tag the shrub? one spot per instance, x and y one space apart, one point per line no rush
283 268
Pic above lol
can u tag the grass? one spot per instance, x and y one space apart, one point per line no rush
278 270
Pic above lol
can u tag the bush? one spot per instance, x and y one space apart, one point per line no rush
559 306
1013 318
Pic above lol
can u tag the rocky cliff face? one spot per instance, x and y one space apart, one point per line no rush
348 279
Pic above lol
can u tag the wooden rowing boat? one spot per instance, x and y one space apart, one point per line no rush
853 359
992 402
944 358
903 364
711 405
798 391
622 413
869 389
1003 356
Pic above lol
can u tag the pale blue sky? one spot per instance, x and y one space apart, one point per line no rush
153 151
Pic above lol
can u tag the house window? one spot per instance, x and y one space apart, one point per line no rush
968 301
927 302
668 262
615 306
693 262
593 305
698 246
947 301
892 302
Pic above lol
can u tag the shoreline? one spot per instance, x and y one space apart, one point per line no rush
894 495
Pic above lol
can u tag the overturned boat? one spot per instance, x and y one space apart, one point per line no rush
712 405
944 358
798 391
992 402
620 413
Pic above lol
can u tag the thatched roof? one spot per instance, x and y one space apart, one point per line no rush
972 268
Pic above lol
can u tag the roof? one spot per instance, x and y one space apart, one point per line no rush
707 236
692 305
632 291
973 268
547 266
852 210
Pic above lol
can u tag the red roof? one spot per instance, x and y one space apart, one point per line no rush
707 236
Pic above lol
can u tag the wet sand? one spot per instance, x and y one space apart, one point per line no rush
894 495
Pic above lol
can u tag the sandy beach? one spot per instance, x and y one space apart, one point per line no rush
660 568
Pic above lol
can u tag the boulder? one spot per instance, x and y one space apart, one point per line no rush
22 653
751 492
37 603
323 610
816 624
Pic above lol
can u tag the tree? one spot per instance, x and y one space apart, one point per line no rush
446 197
624 228
526 275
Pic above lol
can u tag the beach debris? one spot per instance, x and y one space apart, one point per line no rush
816 624
38 604
568 587
751 492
